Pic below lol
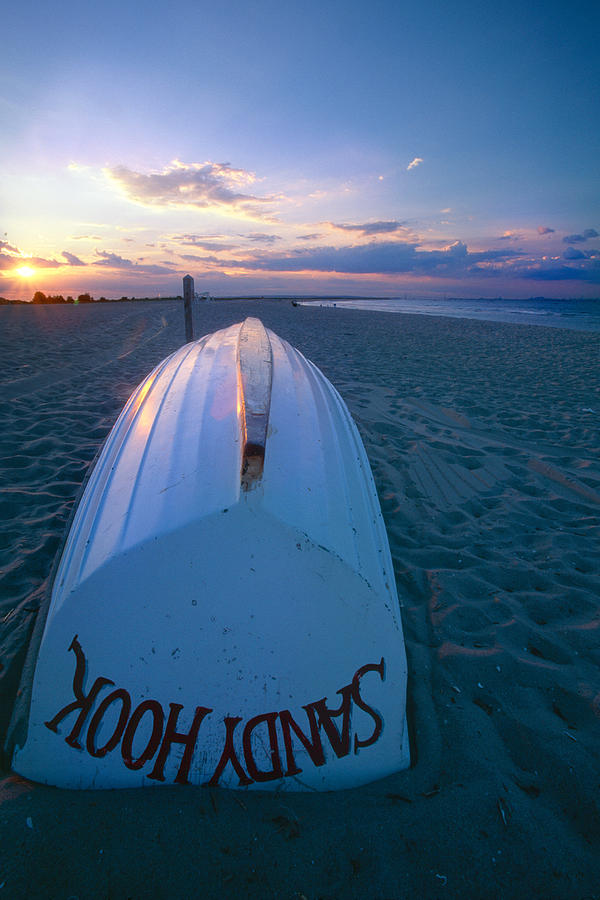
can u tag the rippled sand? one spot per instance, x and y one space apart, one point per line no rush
484 441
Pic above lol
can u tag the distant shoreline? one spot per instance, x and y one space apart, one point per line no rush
304 298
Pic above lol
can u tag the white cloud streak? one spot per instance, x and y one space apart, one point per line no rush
207 186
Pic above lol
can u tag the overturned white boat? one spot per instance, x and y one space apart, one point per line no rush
224 612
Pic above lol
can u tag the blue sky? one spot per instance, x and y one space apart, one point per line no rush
315 147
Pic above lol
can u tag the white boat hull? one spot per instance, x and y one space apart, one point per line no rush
225 611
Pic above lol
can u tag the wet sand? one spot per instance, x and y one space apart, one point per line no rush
484 442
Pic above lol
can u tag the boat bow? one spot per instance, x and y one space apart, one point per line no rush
225 609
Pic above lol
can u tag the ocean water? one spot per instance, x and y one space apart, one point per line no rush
580 315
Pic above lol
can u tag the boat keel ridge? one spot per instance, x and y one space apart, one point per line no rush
255 377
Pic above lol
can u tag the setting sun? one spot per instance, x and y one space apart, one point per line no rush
26 271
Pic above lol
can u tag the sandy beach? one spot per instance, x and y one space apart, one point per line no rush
484 442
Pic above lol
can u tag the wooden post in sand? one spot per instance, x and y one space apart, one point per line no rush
188 293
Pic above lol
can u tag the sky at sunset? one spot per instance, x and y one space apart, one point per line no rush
314 147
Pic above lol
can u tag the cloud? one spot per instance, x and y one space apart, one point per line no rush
564 273
35 262
212 242
371 258
573 253
213 186
10 256
371 227
413 165
386 258
262 238
581 238
38 262
478 256
308 237
6 261
72 259
195 257
543 229
114 261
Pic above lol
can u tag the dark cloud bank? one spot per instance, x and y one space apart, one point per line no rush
395 258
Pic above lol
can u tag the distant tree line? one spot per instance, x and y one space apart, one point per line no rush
39 297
